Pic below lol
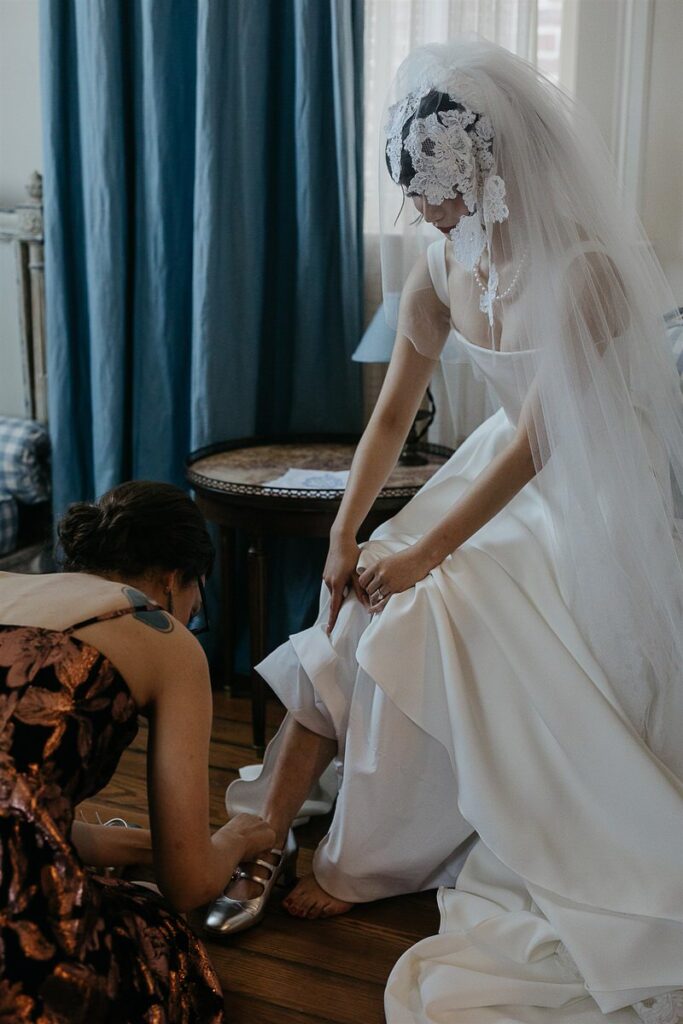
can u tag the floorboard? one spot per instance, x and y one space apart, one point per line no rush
284 971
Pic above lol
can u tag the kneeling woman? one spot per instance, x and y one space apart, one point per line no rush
81 653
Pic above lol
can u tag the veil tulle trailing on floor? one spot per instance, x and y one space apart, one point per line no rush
602 401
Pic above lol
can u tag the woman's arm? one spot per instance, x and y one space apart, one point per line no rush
191 865
101 846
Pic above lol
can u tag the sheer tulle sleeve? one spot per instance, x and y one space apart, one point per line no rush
594 298
595 315
422 316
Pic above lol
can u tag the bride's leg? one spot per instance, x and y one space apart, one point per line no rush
301 760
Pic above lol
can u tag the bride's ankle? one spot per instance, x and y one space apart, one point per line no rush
281 838
280 827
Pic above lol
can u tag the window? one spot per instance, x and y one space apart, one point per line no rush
548 34
530 28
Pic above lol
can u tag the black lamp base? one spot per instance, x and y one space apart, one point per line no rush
411 455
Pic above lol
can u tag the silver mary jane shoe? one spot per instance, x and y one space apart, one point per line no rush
227 916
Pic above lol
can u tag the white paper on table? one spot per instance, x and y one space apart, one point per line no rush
311 479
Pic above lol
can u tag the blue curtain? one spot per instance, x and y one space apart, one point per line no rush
277 216
202 191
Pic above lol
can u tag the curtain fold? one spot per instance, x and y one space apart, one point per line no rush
202 229
278 150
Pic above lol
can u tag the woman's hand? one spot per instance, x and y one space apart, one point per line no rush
251 834
394 574
340 575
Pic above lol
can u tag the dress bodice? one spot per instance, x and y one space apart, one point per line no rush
507 372
76 946
68 716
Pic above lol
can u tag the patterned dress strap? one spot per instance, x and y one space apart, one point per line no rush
116 614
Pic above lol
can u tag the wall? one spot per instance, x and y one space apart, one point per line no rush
20 131
619 54
662 184
20 154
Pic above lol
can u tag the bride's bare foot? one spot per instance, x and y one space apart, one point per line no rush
308 899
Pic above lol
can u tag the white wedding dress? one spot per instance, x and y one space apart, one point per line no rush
481 750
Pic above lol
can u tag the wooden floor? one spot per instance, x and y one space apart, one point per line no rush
285 971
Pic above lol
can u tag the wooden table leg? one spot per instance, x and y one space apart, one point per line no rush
227 636
256 560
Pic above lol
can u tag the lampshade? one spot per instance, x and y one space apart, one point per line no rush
378 341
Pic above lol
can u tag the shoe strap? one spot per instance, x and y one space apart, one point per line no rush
265 864
240 874
253 878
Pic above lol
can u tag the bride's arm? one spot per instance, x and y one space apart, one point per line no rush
594 315
423 327
378 450
376 455
491 491
496 485
425 318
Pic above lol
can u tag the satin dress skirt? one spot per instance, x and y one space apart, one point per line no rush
480 748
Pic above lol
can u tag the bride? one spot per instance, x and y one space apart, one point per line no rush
496 673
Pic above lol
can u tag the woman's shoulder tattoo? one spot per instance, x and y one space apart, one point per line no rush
156 618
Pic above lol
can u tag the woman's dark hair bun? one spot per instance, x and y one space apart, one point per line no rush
80 533
134 528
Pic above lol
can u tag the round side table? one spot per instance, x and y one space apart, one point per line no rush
229 478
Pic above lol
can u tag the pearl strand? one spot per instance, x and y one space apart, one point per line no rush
501 295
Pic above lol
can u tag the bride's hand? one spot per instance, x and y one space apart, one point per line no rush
394 574
340 575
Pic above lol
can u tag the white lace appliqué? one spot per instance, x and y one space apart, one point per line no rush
468 240
487 299
441 157
666 1009
457 118
494 199
394 149
396 118
399 113
451 152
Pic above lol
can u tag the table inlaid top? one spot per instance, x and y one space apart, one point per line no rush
247 469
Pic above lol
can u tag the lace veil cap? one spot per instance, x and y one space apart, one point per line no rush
440 146
598 386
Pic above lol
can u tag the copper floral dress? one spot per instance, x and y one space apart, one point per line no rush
75 947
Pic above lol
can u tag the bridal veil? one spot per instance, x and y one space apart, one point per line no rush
601 394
